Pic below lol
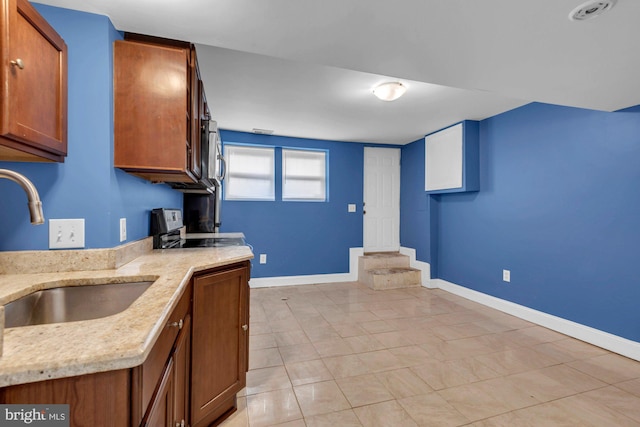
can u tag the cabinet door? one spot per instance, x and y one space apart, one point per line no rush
151 131
33 123
97 400
195 150
182 358
218 342
247 302
145 378
443 159
452 159
160 411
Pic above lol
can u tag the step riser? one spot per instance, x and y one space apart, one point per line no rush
405 279
369 262
387 271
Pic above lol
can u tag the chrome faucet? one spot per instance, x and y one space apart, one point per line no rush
35 205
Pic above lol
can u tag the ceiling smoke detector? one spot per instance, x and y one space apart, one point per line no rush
591 9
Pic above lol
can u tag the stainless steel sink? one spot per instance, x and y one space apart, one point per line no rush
72 303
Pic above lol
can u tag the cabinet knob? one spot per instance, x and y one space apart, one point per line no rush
245 327
176 324
18 63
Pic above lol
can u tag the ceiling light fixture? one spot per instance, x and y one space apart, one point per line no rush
591 9
389 91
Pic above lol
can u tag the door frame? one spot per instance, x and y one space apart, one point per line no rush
392 236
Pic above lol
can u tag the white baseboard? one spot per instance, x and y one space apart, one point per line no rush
351 276
312 279
354 254
623 346
424 267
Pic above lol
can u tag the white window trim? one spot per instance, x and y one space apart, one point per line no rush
323 180
267 175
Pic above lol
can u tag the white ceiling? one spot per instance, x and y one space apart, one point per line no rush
306 68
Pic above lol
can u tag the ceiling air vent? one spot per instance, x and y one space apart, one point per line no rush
262 131
591 9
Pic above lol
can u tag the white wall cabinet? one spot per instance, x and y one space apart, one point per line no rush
452 159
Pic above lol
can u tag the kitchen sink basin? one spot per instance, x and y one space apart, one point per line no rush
72 303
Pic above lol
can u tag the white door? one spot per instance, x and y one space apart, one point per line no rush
381 199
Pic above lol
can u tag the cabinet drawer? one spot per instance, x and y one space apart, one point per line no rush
146 377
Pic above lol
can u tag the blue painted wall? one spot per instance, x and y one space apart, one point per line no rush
302 238
559 202
559 206
415 203
634 109
86 185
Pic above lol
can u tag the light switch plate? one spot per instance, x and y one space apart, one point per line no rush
66 233
506 275
351 207
123 229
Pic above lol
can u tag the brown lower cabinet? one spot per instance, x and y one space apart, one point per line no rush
170 404
219 348
182 375
191 376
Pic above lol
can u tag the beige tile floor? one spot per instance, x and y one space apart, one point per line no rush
342 355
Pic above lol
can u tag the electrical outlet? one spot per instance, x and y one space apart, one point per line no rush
263 258
66 233
506 275
123 229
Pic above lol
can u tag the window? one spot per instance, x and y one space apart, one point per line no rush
304 175
250 173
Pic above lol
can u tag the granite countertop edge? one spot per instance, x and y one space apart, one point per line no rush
121 341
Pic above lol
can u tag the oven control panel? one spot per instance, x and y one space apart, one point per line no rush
165 220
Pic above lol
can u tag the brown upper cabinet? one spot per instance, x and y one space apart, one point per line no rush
157 118
33 91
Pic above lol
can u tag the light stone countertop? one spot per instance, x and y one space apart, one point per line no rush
120 341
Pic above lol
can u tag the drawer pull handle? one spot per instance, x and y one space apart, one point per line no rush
245 327
18 63
176 324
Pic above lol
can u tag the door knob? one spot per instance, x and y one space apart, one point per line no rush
18 63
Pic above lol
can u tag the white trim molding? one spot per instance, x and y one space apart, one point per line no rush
351 276
312 279
424 267
623 346
354 255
